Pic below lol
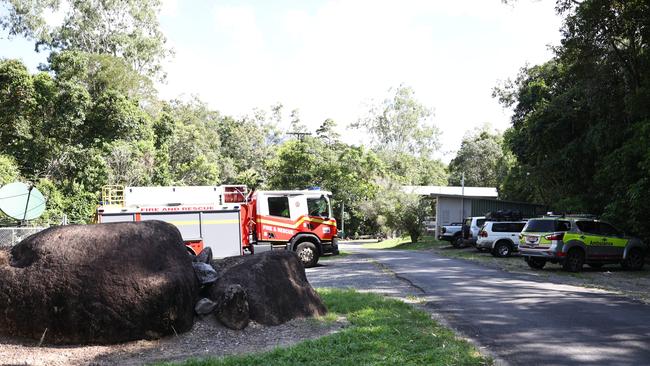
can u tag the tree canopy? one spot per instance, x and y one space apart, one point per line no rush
482 159
401 124
127 29
581 121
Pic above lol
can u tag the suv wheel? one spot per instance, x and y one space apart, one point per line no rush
501 249
535 263
307 253
574 260
457 242
634 260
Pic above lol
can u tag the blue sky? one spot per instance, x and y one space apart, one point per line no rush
331 58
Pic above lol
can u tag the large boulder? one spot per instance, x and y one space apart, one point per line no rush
101 283
272 284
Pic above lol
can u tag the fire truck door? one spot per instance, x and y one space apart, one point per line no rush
298 207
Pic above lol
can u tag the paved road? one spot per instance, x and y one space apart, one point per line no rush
522 319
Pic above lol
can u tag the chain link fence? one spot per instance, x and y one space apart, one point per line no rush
10 236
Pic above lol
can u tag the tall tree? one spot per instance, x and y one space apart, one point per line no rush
481 159
127 29
580 122
401 124
327 132
296 124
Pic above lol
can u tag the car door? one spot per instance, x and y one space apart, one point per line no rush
278 216
591 238
476 228
612 241
466 232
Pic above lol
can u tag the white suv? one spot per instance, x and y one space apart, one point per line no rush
501 238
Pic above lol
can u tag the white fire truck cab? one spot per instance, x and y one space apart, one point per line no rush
230 220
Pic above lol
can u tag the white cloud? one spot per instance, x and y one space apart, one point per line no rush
240 25
169 8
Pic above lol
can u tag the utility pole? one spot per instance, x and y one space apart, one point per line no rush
343 217
462 197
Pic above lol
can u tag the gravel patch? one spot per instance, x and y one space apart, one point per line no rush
206 339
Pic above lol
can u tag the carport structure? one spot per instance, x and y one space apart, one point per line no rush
453 204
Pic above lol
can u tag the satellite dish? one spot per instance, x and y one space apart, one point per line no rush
21 201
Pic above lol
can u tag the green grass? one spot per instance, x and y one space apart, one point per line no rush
425 242
381 331
330 257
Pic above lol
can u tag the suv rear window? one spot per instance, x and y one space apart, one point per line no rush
545 226
480 222
508 227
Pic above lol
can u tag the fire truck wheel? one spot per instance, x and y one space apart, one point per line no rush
307 253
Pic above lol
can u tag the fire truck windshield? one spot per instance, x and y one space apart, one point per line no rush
318 206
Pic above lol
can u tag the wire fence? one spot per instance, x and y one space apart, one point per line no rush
10 236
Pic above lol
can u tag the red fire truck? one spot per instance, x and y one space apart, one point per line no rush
230 220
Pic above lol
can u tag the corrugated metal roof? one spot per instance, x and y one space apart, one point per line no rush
490 192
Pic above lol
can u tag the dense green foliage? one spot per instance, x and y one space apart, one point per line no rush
89 120
381 332
581 124
482 160
91 117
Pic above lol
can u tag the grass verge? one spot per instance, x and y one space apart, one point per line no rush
382 332
425 242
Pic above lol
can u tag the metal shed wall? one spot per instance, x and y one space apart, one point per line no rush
449 209
482 206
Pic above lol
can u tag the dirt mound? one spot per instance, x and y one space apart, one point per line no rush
275 286
98 284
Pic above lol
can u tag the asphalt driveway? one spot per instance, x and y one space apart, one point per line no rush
521 319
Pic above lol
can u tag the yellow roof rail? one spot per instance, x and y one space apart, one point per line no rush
113 195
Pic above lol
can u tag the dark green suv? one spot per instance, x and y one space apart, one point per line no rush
573 242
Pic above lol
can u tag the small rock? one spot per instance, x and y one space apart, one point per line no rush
205 256
233 307
205 273
205 306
